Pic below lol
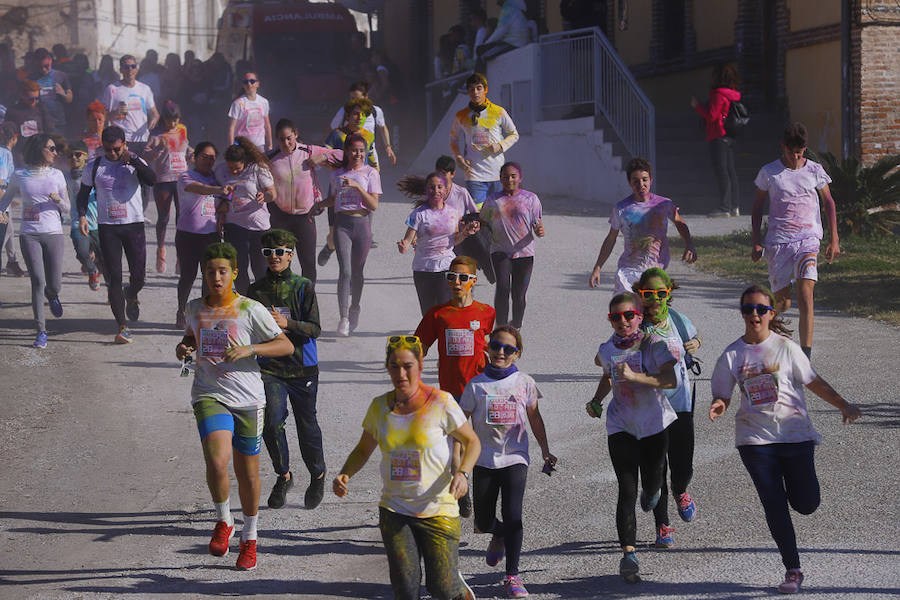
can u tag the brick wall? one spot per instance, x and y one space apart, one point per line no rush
877 78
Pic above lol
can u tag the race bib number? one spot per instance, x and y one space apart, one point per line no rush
406 465
501 410
761 390
213 343
481 137
284 311
29 128
134 104
460 342
350 199
254 119
208 207
31 213
676 348
239 205
46 91
116 210
633 359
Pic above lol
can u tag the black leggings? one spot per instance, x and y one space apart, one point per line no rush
248 244
189 248
114 239
628 455
680 464
431 288
164 193
513 275
509 483
304 229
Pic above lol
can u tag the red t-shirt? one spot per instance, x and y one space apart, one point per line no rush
460 333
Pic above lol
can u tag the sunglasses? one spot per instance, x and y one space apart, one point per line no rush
276 251
501 348
761 309
250 81
51 149
129 67
78 154
462 277
114 149
403 341
628 315
658 294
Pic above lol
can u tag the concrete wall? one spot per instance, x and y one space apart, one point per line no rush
714 23
633 44
813 80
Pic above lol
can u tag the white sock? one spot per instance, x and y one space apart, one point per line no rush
223 512
249 530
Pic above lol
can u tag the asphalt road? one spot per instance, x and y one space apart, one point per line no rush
102 491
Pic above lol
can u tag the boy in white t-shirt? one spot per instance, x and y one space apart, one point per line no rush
794 186
249 115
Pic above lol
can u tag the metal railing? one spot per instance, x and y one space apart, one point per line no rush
582 74
439 95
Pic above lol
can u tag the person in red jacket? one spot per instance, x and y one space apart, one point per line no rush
721 146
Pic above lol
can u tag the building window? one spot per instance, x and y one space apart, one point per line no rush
673 29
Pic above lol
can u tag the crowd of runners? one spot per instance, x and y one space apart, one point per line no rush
446 452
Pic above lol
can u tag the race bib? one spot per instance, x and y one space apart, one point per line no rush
239 205
134 104
501 410
633 359
116 210
254 119
46 91
761 390
284 311
676 348
31 213
213 343
350 199
481 137
208 207
29 128
406 465
460 342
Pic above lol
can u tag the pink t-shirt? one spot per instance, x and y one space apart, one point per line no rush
511 219
461 200
435 229
197 211
793 200
296 182
245 211
40 214
250 118
643 226
348 199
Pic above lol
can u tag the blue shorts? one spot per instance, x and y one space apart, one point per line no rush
245 424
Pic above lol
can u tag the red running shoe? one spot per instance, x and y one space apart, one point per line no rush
222 534
247 558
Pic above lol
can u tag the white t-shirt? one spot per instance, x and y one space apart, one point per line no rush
40 214
138 100
512 220
415 454
245 211
118 192
794 213
771 376
372 120
435 230
348 199
637 409
250 118
243 322
498 409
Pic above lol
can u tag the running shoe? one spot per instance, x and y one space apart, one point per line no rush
664 537
686 507
465 505
179 320
124 336
735 212
14 270
279 491
495 551
314 492
628 568
793 579
246 560
649 502
56 308
41 340
514 587
468 594
324 254
132 308
161 260
343 329
94 281
373 244
354 318
222 534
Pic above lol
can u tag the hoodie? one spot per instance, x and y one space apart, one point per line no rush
714 111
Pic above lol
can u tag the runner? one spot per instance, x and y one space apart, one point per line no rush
130 106
499 401
55 89
773 432
87 248
514 217
418 513
682 339
643 219
436 229
227 395
95 115
249 115
169 152
794 186
116 176
636 367
297 184
374 122
9 137
196 227
249 173
292 303
355 189
45 198
28 112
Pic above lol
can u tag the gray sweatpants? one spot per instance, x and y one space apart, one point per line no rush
43 254
352 240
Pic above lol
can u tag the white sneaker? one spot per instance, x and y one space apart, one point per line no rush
343 329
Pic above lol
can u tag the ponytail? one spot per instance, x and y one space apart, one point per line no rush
245 151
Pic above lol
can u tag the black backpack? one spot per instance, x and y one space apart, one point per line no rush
737 119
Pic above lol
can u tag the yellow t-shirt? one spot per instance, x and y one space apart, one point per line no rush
415 454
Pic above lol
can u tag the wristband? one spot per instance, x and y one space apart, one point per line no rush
596 406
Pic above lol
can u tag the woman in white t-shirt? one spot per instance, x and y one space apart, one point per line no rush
249 115
435 226
45 198
418 513
637 367
499 401
773 432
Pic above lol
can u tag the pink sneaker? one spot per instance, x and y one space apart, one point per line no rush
514 587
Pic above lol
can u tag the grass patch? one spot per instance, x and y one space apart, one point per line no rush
863 281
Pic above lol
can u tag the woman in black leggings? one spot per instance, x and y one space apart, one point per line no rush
636 367
514 218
